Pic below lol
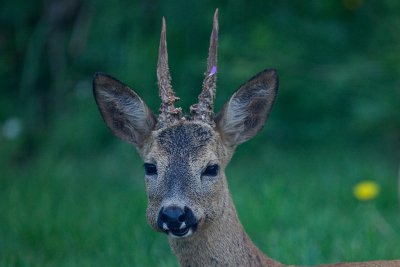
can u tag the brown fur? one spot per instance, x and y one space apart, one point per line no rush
181 150
223 243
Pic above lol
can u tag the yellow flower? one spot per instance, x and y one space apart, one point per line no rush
366 190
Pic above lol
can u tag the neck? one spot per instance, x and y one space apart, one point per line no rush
223 243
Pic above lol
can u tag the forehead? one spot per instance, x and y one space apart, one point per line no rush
186 138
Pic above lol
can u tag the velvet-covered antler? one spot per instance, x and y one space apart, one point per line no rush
169 114
203 110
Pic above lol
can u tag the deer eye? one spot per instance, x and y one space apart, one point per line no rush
150 169
211 170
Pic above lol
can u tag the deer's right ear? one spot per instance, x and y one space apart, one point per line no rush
123 110
245 113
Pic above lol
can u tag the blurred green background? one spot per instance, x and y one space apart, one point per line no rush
71 194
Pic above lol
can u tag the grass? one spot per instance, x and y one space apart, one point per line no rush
65 208
303 210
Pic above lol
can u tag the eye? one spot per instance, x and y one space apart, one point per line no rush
150 169
211 170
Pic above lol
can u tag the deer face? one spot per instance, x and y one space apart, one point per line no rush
185 157
184 178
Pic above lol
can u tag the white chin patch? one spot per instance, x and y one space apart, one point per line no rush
189 233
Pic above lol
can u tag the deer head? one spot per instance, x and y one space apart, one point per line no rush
185 156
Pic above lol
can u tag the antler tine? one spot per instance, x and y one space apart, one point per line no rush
212 51
203 110
168 113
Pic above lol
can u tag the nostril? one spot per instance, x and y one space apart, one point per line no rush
182 218
164 217
190 219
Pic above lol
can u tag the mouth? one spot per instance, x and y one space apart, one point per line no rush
185 231
180 233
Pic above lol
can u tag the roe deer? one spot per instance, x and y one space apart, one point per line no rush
185 159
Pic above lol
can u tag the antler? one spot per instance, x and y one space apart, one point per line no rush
203 110
168 113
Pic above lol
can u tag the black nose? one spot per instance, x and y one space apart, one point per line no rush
175 219
172 216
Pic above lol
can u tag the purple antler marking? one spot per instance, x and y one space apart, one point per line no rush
213 71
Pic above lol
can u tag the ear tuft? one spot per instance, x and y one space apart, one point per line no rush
244 115
123 110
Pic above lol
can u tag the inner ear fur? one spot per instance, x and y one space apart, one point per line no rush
244 115
123 110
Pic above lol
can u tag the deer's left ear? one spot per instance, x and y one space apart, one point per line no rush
245 113
123 110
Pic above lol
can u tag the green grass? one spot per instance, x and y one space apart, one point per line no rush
301 209
88 208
